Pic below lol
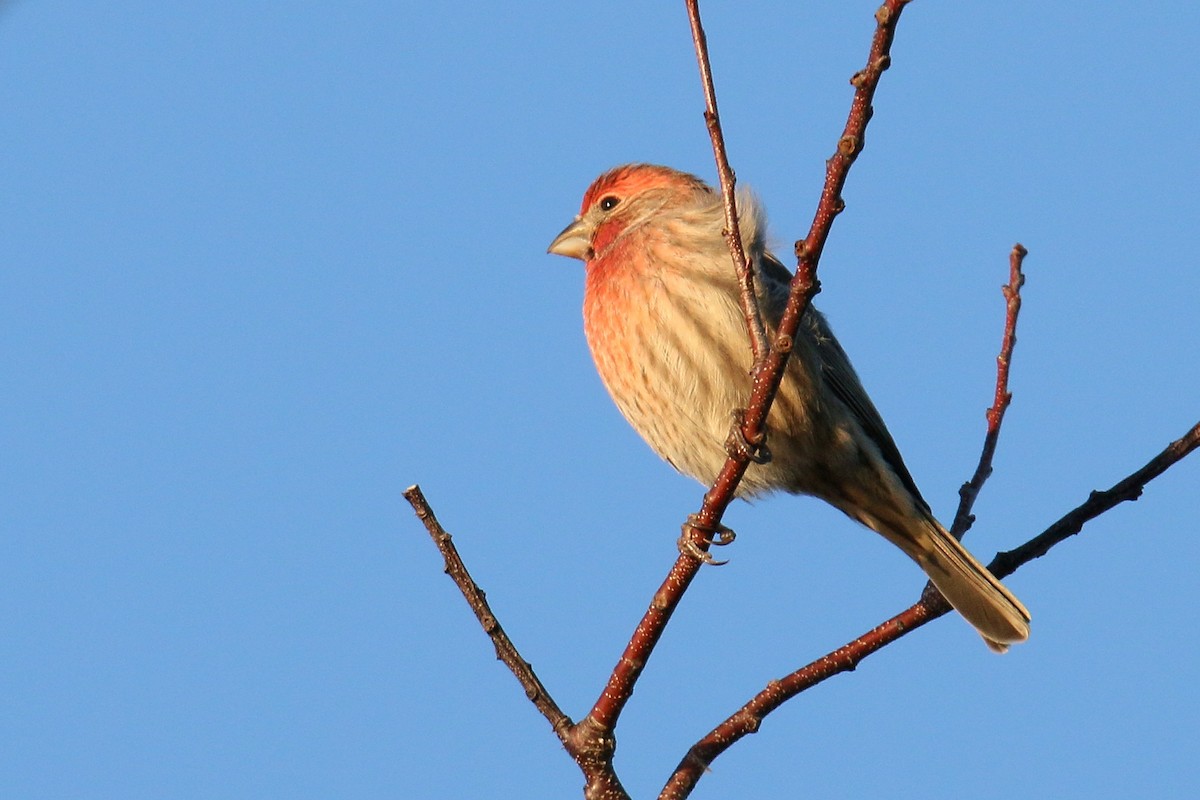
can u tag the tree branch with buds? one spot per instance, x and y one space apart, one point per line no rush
591 741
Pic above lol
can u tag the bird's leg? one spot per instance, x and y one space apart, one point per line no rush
738 446
715 535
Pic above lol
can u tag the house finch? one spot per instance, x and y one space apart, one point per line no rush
668 336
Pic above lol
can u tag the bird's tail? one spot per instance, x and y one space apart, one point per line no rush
974 592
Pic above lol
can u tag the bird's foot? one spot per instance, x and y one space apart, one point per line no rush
714 535
738 446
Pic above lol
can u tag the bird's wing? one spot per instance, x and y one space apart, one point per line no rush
841 378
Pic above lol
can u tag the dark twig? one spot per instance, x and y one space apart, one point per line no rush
846 658
593 753
963 518
506 651
591 749
1097 503
768 373
758 335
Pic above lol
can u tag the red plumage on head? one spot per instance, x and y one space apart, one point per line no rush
631 179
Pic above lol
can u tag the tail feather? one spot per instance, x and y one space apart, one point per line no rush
974 592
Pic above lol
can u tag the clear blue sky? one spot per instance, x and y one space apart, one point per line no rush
265 265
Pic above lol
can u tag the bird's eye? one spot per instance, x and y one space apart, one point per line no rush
609 203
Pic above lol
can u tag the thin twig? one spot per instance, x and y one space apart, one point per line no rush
732 232
963 518
593 753
768 374
846 658
506 651
1098 503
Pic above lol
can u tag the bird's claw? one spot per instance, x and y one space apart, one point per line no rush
715 536
738 446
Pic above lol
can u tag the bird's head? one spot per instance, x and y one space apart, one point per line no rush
621 200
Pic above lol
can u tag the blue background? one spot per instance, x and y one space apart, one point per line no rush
265 265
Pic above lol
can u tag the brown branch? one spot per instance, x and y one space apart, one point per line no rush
846 658
853 138
969 491
591 741
732 232
591 750
506 651
1097 503
767 375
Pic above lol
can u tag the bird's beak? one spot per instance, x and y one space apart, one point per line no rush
575 241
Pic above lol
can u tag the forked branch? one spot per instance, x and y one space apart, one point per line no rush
747 719
591 741
767 373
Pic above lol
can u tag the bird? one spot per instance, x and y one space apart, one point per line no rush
668 336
